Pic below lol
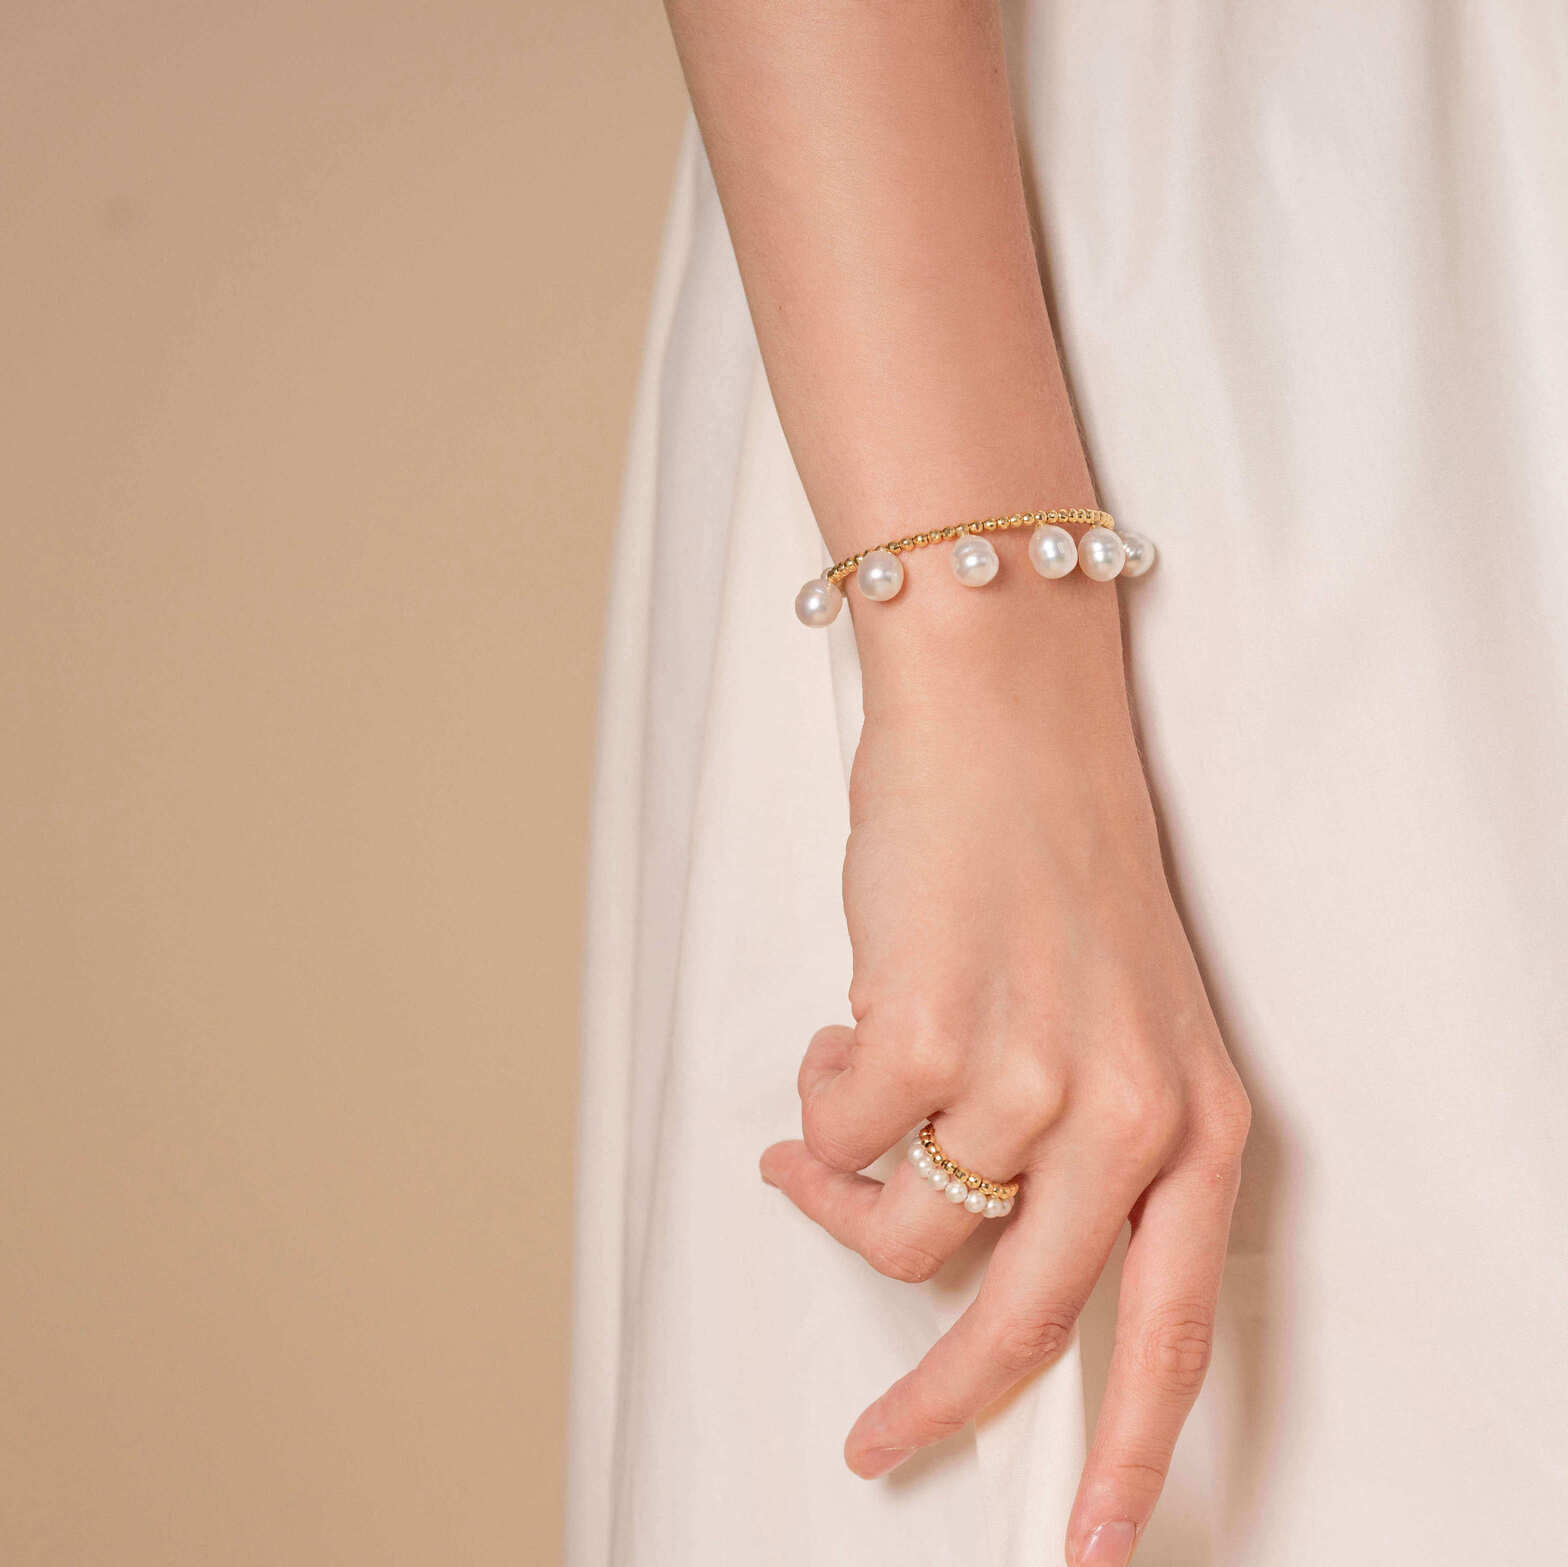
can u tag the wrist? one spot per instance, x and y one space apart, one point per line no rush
1010 746
1042 654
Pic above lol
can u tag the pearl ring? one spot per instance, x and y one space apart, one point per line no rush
992 1199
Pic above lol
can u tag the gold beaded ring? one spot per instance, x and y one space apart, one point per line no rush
1028 519
994 1199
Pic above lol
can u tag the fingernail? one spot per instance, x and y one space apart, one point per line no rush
878 1460
1109 1546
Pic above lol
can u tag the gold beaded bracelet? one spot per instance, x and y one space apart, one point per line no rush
1029 519
1101 554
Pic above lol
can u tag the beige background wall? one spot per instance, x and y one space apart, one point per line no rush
319 324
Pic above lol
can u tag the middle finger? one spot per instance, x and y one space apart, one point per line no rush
1041 1273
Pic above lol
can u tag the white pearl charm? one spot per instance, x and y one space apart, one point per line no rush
1140 554
974 560
958 1189
1052 551
880 575
818 603
1101 554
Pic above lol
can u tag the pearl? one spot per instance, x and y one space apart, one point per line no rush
938 1176
974 560
956 1191
1052 551
1007 1207
918 1154
1140 554
993 1207
1101 554
880 575
818 603
975 1202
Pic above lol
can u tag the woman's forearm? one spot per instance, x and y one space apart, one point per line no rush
1020 973
866 159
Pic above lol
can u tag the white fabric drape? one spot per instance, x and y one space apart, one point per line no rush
1309 265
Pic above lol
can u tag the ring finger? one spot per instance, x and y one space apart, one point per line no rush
924 1210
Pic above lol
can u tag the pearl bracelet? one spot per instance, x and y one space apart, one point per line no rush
1102 553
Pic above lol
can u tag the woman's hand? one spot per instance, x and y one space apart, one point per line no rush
1022 978
1019 970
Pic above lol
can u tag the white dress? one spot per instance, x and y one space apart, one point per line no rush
1309 266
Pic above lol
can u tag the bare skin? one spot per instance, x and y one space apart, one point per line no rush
1020 972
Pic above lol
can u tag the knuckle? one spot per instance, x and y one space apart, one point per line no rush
1023 1343
898 1258
832 1040
1140 1117
815 1061
1138 1479
913 1045
929 1063
1177 1348
1031 1094
935 1417
1229 1112
1221 1126
828 1145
